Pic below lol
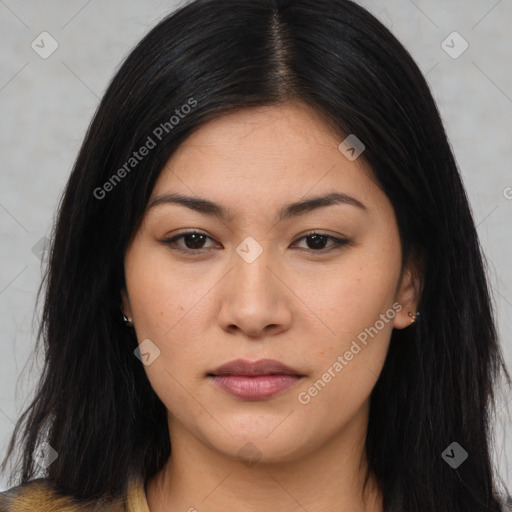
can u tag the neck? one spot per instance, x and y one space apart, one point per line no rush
325 478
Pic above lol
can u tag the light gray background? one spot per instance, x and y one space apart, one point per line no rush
47 104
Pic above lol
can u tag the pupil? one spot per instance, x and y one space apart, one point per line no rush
196 241
316 239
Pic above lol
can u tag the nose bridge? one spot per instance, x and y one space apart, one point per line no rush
251 298
252 262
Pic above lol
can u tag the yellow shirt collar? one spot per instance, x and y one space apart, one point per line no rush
137 501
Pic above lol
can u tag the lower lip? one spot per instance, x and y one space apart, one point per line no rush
257 387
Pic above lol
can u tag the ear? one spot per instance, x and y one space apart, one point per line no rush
409 293
125 304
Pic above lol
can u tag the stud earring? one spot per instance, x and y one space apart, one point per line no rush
413 317
128 321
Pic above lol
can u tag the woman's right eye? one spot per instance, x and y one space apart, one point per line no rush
193 241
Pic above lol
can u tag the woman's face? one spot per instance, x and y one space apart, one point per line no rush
253 286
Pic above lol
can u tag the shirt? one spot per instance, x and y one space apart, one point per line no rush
39 495
137 501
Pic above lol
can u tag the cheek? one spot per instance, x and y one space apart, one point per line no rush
357 293
159 295
166 309
347 369
357 307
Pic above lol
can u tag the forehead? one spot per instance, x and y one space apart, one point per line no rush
265 132
262 156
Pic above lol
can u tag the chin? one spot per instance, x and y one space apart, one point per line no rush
262 449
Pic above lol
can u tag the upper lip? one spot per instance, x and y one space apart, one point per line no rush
260 367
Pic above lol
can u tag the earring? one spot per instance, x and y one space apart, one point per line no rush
128 321
413 317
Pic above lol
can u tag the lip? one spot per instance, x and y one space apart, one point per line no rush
254 368
254 380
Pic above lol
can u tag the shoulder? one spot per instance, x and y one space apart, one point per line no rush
41 495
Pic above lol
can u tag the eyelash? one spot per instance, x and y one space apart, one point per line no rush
337 242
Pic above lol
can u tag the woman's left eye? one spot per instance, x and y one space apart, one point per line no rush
321 238
194 241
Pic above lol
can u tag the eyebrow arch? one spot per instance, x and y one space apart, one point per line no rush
295 209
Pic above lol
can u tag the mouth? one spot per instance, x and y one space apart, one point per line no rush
254 380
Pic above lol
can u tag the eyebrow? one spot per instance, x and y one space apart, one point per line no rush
207 207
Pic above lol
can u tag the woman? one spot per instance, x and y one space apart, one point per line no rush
265 287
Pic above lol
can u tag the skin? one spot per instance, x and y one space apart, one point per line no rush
296 303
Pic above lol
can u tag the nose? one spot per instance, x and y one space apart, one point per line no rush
255 297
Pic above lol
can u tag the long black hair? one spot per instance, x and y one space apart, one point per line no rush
94 404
